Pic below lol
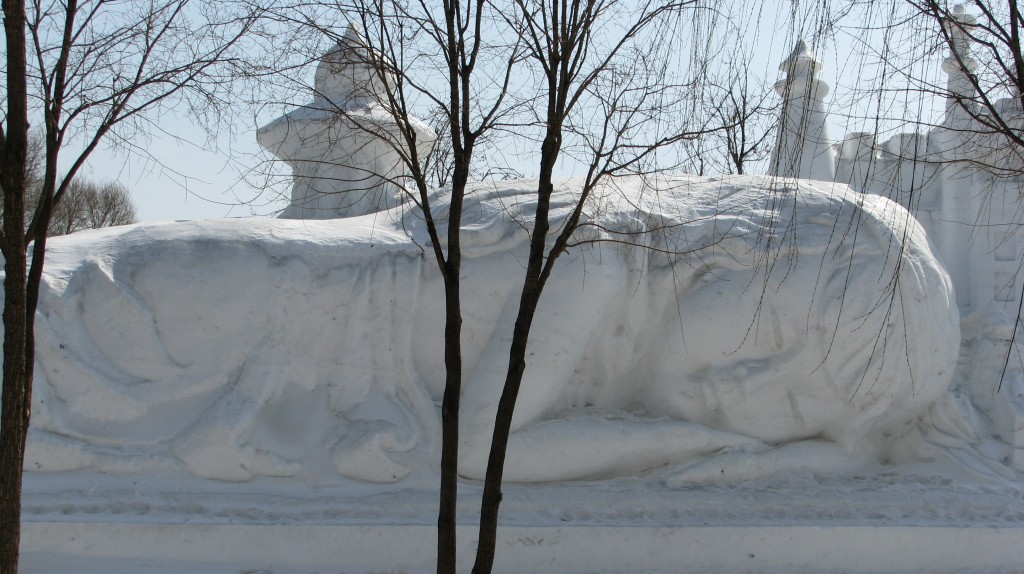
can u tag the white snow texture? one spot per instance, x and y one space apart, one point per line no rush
775 323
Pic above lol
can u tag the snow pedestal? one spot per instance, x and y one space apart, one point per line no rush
167 548
802 524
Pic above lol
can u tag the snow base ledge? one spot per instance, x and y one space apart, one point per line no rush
91 548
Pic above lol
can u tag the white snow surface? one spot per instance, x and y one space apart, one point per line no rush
722 369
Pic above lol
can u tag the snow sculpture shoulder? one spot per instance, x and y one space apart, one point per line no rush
343 146
748 318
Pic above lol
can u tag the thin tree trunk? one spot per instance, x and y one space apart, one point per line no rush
491 500
15 414
533 286
451 268
17 378
446 516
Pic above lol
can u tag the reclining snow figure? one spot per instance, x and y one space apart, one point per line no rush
752 313
760 323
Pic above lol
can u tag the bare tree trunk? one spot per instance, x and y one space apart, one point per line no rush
14 429
491 500
15 415
560 41
459 42
446 516
448 503
533 287
17 377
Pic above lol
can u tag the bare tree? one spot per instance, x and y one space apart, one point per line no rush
744 116
747 117
601 89
979 78
588 82
698 156
88 205
464 95
470 112
87 70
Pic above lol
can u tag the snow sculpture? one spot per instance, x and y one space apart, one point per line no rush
803 147
785 324
958 179
961 181
746 325
342 147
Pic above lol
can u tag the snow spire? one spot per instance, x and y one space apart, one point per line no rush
803 148
960 63
353 72
353 35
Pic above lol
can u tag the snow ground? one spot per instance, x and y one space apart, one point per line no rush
896 522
